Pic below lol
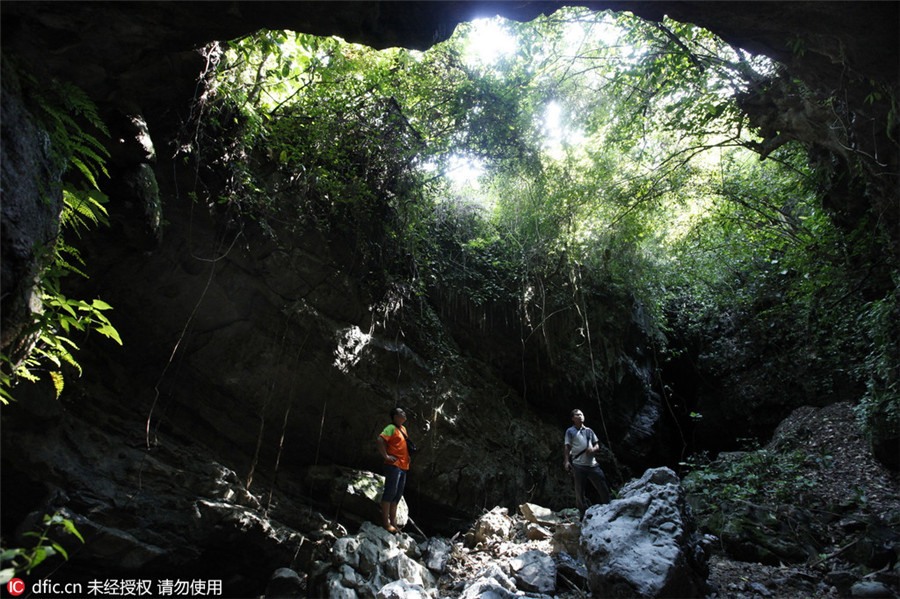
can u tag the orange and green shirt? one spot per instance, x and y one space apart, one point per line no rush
396 445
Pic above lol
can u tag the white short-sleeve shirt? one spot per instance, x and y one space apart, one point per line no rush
578 441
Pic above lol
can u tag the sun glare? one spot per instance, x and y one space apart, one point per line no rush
465 170
460 170
488 41
558 133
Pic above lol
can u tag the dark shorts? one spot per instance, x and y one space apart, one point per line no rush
394 482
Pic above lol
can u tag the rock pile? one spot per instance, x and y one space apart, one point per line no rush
642 544
500 556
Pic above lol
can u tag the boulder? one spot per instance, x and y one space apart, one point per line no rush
645 543
437 553
487 588
400 589
403 567
539 514
567 538
285 584
570 571
490 582
534 571
871 589
494 525
335 588
536 532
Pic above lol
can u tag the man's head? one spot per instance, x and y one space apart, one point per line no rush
398 416
577 416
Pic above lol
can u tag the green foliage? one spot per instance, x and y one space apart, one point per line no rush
769 292
471 260
66 114
315 139
761 477
617 167
25 559
879 409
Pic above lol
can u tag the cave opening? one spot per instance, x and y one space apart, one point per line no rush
593 151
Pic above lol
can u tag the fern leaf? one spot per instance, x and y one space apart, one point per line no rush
58 382
84 171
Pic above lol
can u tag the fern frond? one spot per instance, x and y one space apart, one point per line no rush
82 206
78 102
65 111
88 173
58 383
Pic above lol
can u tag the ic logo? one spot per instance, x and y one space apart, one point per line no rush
16 587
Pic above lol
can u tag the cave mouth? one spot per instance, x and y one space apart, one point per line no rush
610 144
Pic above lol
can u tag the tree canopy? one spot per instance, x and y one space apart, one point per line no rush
534 165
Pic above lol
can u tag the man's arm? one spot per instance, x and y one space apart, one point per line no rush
567 449
382 449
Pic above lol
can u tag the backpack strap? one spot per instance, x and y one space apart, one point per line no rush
410 446
588 440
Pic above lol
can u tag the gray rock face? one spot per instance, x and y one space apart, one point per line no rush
645 542
539 515
493 525
487 588
400 589
32 202
871 589
356 493
535 571
374 563
285 584
491 581
437 553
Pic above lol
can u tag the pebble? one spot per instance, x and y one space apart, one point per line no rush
840 578
870 590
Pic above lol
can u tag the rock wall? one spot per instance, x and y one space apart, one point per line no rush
245 363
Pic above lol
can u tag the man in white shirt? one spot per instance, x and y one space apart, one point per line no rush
581 443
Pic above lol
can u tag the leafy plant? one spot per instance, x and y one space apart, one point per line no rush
66 113
761 476
617 166
879 409
25 559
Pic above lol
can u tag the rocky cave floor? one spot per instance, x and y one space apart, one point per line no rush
828 431
728 578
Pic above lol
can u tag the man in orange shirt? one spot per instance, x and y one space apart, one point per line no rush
393 448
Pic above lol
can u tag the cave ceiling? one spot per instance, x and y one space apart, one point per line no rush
105 45
141 57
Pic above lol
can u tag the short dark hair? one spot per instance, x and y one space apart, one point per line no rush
572 413
396 411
